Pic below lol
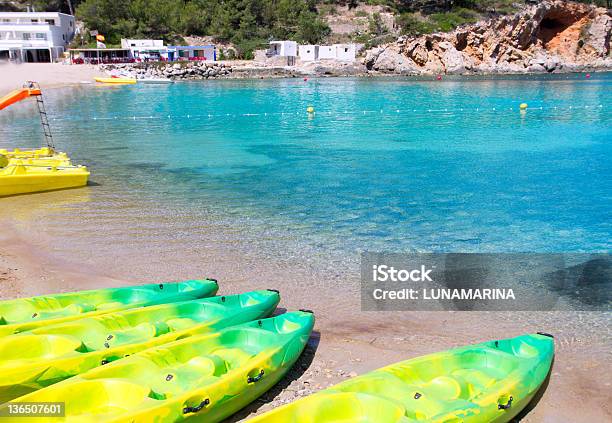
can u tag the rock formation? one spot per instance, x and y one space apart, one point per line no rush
552 36
182 70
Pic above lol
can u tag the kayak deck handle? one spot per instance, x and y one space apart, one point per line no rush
545 334
197 407
253 379
507 405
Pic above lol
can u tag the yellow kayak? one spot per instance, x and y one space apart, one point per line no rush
205 378
489 382
44 356
115 80
18 176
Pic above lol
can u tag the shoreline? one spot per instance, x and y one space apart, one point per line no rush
56 75
179 71
347 342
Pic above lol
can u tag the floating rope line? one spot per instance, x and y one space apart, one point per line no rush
453 111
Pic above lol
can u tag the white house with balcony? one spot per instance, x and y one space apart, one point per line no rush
35 36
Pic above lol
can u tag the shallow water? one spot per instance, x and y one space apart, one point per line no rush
395 165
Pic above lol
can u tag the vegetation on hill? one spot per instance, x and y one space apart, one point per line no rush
250 24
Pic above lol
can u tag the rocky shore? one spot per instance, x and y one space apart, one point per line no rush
232 69
552 36
186 70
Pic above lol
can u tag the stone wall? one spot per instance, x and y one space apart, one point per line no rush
175 71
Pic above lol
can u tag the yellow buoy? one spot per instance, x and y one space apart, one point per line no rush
310 109
523 106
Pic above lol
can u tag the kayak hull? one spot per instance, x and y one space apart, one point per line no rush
44 356
25 314
489 382
205 378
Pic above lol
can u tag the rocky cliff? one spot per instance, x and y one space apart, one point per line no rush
552 36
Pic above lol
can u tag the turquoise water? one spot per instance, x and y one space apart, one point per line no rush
383 164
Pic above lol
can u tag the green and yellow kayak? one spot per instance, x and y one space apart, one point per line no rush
24 314
489 382
44 356
206 377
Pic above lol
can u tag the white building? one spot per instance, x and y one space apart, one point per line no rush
308 52
345 52
283 48
145 49
339 52
35 36
326 52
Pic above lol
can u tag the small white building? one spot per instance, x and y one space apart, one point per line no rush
145 49
326 52
345 52
339 52
283 48
35 36
308 52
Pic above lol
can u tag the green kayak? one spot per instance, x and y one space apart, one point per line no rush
28 313
47 355
207 377
489 382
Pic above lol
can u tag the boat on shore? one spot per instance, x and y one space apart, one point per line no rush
76 346
24 314
489 382
201 377
115 80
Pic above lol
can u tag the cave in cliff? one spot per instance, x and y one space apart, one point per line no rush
560 30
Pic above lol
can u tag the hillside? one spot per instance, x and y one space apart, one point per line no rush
246 25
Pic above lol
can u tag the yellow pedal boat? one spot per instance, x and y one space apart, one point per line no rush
40 156
115 80
20 177
43 169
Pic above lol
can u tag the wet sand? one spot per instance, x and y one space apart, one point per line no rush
346 341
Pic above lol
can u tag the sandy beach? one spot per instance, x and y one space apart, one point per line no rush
48 75
347 342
